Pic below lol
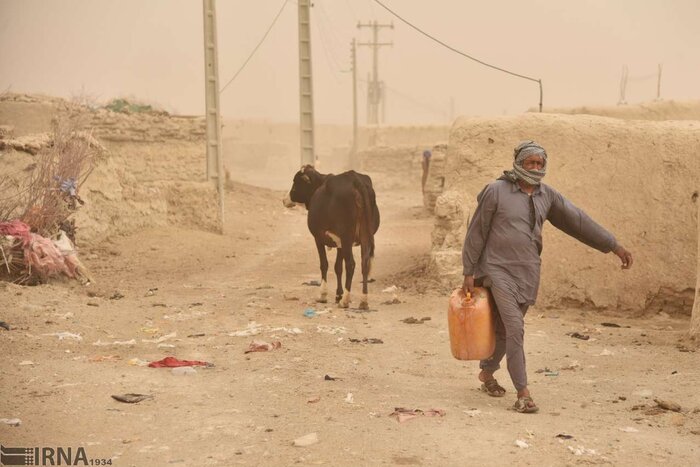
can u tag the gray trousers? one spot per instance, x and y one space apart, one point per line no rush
510 332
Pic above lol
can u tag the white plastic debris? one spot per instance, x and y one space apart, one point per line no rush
643 393
606 353
138 362
521 444
629 429
129 342
66 335
11 421
26 363
391 289
306 440
183 371
252 329
161 338
350 399
331 329
472 412
580 451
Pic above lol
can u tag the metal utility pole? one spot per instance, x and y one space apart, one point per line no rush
215 156
306 100
658 83
353 66
374 92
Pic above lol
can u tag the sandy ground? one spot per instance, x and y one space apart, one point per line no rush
248 409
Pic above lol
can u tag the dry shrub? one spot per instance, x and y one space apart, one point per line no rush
51 193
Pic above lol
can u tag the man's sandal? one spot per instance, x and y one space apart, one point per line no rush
525 405
493 389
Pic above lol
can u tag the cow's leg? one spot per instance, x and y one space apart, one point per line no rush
339 275
323 298
349 270
366 265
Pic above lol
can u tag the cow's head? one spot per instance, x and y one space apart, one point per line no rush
306 182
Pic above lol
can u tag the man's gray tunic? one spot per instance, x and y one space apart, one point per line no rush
504 239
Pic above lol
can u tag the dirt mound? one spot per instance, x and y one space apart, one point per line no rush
638 179
153 173
656 110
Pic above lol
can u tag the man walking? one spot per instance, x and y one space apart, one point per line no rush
502 252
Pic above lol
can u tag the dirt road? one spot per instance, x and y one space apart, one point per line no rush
249 408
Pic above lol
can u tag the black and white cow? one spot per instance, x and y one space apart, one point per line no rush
342 213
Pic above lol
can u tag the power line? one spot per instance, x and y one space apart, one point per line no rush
256 47
460 52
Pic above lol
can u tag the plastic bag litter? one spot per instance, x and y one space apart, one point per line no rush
65 335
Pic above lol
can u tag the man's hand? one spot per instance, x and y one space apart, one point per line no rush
468 285
625 256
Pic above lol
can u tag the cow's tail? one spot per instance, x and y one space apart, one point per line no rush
366 219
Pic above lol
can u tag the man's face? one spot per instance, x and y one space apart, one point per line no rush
533 162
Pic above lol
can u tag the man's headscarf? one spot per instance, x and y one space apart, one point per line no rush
524 150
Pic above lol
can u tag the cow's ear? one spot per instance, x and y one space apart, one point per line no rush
306 178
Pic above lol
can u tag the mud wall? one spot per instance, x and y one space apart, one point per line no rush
638 179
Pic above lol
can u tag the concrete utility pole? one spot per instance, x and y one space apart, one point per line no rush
353 66
306 99
375 95
215 156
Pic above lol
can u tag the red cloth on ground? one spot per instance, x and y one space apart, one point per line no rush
172 362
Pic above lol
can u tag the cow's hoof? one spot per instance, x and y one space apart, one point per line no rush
364 306
338 298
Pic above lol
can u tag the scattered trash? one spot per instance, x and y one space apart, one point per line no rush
138 362
605 353
93 304
577 335
293 331
551 373
310 313
394 301
161 338
543 370
629 429
117 295
313 400
192 305
131 398
580 451
26 363
312 283
668 405
391 289
402 414
11 421
252 329
613 325
331 329
183 371
105 358
330 378
129 342
521 444
151 292
166 346
201 334
350 399
172 362
412 320
65 335
472 412
574 365
150 330
306 440
564 436
262 346
367 340
4 325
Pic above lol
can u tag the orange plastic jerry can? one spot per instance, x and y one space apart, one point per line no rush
471 324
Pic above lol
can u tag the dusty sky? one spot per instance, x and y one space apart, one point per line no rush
153 50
